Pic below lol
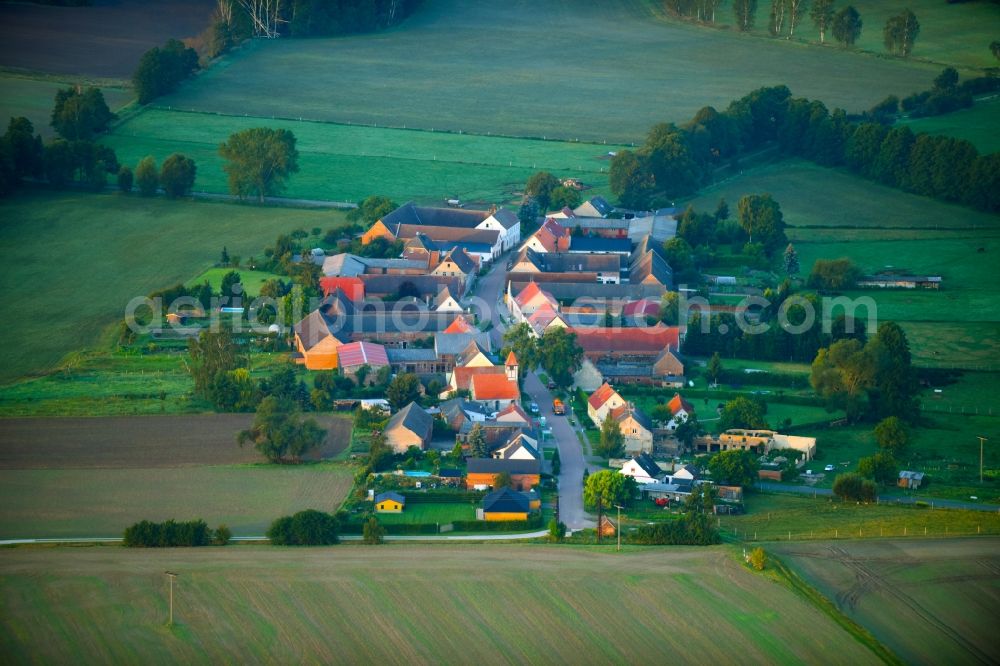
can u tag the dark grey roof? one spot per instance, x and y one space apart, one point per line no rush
425 285
461 259
399 264
452 344
496 466
468 246
652 264
648 465
390 496
567 262
448 473
414 418
410 213
312 329
570 291
506 500
600 244
410 355
506 217
642 419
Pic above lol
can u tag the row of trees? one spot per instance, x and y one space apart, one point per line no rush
161 69
176 176
170 534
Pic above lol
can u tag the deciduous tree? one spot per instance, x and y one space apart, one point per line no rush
892 435
146 177
822 16
79 115
610 487
744 11
177 175
560 354
279 430
743 412
736 468
612 442
403 389
259 161
900 32
847 26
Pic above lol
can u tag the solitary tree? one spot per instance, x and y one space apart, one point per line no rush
822 15
892 434
560 354
608 487
177 175
503 480
744 10
259 161
880 467
477 442
373 533
900 32
847 26
521 340
125 178
402 390
79 115
743 412
714 367
540 187
372 208
737 467
279 431
760 216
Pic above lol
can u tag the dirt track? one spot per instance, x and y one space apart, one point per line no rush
140 441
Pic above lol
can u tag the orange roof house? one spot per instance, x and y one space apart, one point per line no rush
602 401
598 343
494 390
352 287
460 325
530 299
316 345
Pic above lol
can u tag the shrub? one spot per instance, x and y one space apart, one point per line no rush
373 533
557 530
854 487
222 535
691 530
125 179
146 177
757 559
305 528
147 534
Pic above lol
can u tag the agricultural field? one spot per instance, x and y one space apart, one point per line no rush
110 249
932 601
957 34
980 124
834 214
776 516
34 98
497 68
475 603
105 40
89 477
350 162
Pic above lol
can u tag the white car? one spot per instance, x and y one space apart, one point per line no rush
534 408
828 468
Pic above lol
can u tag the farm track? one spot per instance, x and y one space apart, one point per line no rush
868 580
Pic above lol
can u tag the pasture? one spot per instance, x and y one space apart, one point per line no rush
928 601
110 249
600 72
775 516
833 214
34 98
956 34
252 281
349 162
105 40
980 124
408 604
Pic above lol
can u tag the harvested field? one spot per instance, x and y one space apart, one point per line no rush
930 602
408 604
106 39
141 441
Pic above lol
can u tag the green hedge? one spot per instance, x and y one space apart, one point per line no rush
534 522
443 497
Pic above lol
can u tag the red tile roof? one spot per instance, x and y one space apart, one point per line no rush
463 376
352 287
460 325
677 403
528 293
511 358
362 353
645 339
494 387
601 395
514 408
644 307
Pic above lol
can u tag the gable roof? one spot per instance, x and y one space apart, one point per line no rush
441 233
396 497
414 418
312 330
625 411
644 307
425 285
598 205
498 465
506 500
600 244
461 259
463 375
460 325
648 465
531 292
410 213
453 344
352 287
443 296
493 387
677 403
644 339
470 352
569 262
506 217
410 355
518 443
343 265
514 409
362 353
602 395
652 267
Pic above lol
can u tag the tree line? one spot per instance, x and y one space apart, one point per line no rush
172 534
677 160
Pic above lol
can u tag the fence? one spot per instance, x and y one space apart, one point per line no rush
869 532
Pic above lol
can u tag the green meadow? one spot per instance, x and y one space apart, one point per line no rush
980 124
350 162
33 98
77 259
597 71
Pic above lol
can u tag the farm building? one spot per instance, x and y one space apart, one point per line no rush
910 480
316 347
482 472
410 426
356 355
389 503
506 504
894 281
594 207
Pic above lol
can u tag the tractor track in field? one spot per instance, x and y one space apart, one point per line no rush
868 580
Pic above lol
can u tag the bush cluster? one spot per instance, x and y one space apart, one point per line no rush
147 534
305 528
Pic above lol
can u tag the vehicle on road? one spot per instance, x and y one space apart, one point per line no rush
551 385
558 407
533 407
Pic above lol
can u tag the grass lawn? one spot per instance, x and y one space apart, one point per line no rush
770 517
80 258
957 34
585 605
929 601
252 281
34 98
350 162
496 68
103 502
431 513
980 125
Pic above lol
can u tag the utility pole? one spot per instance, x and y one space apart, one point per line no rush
171 576
981 440
618 528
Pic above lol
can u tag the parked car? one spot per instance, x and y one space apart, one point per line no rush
828 468
534 408
552 385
